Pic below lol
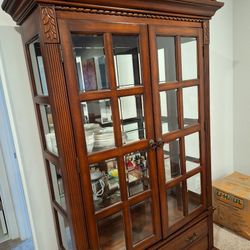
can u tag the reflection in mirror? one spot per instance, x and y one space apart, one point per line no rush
172 160
137 172
90 62
189 58
166 59
142 224
132 118
105 183
175 204
98 125
127 61
111 232
192 151
57 185
48 128
190 105
194 192
169 110
38 68
65 232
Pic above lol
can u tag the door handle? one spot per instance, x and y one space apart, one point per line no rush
160 143
152 144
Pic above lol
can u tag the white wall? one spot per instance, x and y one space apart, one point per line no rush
242 86
24 126
221 72
221 82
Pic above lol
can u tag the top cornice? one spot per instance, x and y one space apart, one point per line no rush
202 9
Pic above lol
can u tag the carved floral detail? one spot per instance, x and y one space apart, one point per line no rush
206 32
49 24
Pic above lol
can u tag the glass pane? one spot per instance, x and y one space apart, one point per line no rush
166 59
105 183
65 232
127 61
192 150
190 105
175 204
142 223
137 172
132 118
169 113
194 192
57 185
38 68
48 127
189 58
98 125
111 232
172 160
90 62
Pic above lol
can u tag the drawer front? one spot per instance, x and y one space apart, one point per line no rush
200 245
190 238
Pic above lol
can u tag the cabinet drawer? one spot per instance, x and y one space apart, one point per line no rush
200 245
190 239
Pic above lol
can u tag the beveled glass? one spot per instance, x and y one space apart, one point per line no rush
192 151
48 128
190 106
166 59
126 52
142 223
105 183
194 192
137 172
175 204
111 232
65 232
172 163
98 125
38 68
169 110
57 185
90 62
189 58
132 118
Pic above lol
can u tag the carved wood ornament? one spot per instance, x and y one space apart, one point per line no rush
49 25
206 32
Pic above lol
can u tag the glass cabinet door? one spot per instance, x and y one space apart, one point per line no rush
178 96
109 88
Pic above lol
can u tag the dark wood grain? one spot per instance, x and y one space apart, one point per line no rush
52 22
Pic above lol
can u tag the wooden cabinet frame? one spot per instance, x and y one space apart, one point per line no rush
52 22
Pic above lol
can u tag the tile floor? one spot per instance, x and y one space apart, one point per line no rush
225 239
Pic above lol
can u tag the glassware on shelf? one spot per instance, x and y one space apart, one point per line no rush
137 172
105 183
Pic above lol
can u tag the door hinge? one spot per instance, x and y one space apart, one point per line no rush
61 53
78 165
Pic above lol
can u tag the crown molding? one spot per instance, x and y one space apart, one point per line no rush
202 9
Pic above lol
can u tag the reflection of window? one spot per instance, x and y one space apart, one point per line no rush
90 62
127 60
38 68
166 59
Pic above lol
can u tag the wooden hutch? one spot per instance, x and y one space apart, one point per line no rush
121 92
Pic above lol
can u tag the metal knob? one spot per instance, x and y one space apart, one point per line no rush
160 142
152 144
192 238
